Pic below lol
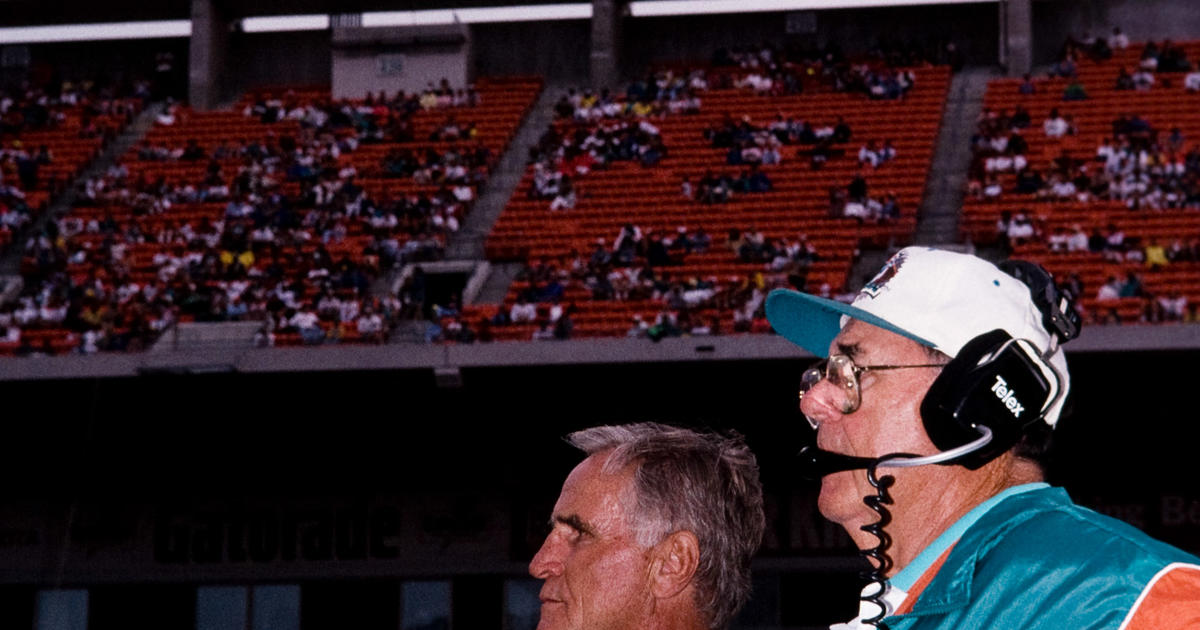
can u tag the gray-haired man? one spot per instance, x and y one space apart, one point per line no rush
653 530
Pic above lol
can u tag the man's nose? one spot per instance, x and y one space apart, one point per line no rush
824 401
547 562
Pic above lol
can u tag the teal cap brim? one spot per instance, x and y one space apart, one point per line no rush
812 322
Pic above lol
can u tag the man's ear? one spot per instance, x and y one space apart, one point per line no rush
676 559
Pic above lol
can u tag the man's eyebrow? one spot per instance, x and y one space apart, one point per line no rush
573 521
851 350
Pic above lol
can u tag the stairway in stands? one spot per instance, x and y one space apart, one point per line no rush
942 204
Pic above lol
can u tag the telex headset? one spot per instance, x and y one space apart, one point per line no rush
998 382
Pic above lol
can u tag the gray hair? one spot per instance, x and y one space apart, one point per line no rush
704 483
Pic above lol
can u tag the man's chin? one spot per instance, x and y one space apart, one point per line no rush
551 617
839 499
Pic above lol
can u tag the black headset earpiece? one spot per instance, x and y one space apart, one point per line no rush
1059 316
995 381
999 382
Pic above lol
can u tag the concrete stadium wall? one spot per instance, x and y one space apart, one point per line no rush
357 72
392 59
973 28
558 50
272 59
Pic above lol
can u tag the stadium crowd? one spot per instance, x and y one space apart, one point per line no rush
276 229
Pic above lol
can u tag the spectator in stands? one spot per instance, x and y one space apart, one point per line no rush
1077 239
1098 49
857 189
868 155
543 332
1125 80
1027 86
666 324
1110 290
887 152
1061 188
756 180
1142 79
1178 251
501 317
1055 126
1114 243
1149 58
600 255
1133 286
1156 255
306 322
564 325
1057 241
565 199
890 208
656 251
652 152
1075 91
638 328
1022 229
1118 40
1096 241
1066 67
369 326
841 131
1173 306
1173 58
1029 181
1073 285
628 243
770 153
714 189
1191 82
522 311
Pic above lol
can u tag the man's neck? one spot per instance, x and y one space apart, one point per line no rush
937 498
672 617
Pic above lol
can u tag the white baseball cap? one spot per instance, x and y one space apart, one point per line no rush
937 298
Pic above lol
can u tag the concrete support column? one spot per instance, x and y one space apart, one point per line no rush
606 43
207 54
1016 36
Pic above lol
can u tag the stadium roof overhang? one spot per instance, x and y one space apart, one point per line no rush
31 22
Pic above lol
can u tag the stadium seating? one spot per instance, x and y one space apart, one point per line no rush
502 104
1165 106
73 143
798 202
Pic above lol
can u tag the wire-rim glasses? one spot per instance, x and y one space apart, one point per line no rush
842 373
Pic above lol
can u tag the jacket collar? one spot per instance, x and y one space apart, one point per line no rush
951 587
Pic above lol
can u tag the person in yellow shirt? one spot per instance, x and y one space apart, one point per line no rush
1156 255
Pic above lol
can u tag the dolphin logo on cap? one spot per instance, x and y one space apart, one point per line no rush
889 271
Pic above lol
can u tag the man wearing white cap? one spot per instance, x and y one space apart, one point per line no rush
945 358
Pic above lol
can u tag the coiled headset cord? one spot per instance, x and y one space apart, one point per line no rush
822 463
881 563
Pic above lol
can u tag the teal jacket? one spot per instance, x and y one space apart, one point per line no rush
1037 560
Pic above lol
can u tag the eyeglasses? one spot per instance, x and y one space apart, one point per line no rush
842 373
